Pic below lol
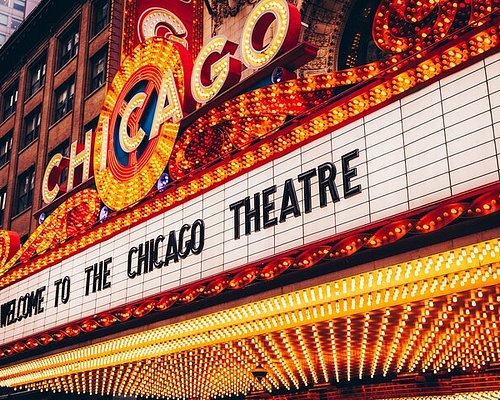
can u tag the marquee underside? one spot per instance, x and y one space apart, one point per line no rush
416 321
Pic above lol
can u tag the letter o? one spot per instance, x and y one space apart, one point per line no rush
286 36
197 232
27 305
21 308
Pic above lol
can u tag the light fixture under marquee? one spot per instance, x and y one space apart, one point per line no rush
431 315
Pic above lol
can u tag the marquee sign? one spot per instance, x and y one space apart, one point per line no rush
245 186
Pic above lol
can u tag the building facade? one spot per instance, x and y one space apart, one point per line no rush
38 99
272 199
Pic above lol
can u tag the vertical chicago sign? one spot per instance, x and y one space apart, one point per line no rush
140 121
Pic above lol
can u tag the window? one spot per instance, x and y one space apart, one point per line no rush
10 101
31 127
100 16
64 98
4 20
24 190
3 38
5 148
3 198
20 5
14 23
98 69
36 75
68 44
64 150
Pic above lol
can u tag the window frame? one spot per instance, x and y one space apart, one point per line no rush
11 92
6 19
24 200
14 21
3 203
40 66
92 79
89 126
6 140
19 9
64 108
70 35
98 25
32 135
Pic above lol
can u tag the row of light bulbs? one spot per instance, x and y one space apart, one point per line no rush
301 337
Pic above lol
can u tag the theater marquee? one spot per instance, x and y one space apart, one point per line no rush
253 180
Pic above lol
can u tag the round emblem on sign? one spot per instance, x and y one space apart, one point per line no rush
139 121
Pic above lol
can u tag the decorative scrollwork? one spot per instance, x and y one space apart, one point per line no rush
73 217
401 28
411 25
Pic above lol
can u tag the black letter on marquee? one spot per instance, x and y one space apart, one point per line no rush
305 178
38 300
198 225
105 283
172 251
252 213
327 181
236 208
159 239
64 286
349 173
98 273
143 258
267 207
289 196
7 312
131 274
88 272
150 262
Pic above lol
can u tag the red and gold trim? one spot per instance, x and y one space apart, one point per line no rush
322 117
340 246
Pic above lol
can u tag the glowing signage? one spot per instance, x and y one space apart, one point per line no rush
139 121
153 90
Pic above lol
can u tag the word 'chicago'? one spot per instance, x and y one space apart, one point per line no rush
263 210
146 257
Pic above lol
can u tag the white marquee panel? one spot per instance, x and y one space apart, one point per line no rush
434 143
